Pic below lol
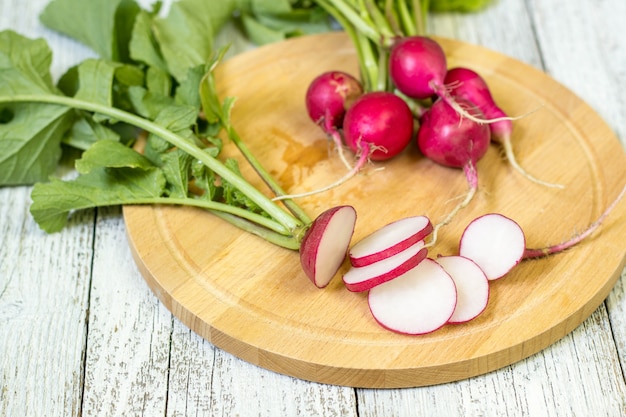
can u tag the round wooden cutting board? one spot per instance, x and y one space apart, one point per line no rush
250 298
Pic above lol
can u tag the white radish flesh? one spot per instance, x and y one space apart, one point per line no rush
325 244
367 277
419 301
495 242
390 240
472 287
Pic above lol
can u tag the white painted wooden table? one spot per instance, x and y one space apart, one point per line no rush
81 333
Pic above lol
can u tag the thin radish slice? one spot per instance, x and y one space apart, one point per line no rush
417 302
367 277
495 242
325 244
390 240
472 287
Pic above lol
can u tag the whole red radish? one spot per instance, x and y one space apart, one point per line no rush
452 140
418 67
379 124
469 85
325 244
328 97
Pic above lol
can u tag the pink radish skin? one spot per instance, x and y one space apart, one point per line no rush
379 124
359 279
472 287
449 139
467 84
325 244
417 302
418 67
495 243
390 240
328 97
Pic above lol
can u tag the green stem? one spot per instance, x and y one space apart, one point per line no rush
295 209
273 210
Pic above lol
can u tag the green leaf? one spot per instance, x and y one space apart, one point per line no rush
176 167
103 25
143 45
110 154
27 60
30 137
95 78
186 34
85 132
30 134
126 180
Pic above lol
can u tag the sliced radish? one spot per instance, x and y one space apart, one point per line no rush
390 240
472 287
417 302
367 277
495 242
325 244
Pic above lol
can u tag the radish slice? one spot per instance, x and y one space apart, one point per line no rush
325 244
495 242
390 240
367 277
472 287
417 302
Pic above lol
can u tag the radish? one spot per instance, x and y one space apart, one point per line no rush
472 287
378 126
390 240
495 242
363 278
417 302
418 67
451 140
325 244
327 98
467 84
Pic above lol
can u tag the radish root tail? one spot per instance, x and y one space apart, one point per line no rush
510 156
363 159
472 179
550 250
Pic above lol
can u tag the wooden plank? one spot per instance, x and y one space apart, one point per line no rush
44 283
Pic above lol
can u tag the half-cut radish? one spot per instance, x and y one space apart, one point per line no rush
417 302
390 240
472 287
495 242
366 277
325 244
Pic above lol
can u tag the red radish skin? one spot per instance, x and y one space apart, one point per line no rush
417 302
325 244
469 85
447 138
495 243
418 67
380 124
359 279
472 287
327 98
390 240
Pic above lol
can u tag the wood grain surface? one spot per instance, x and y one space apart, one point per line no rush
251 299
